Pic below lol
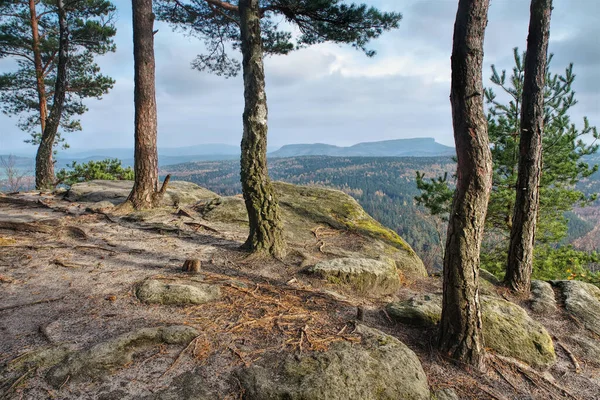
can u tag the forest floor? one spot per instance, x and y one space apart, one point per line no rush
68 276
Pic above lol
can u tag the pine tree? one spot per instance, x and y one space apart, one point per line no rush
30 32
145 193
563 165
522 234
252 26
460 335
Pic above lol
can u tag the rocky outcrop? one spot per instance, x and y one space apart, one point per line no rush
367 276
507 329
582 300
153 291
382 368
107 356
419 310
116 192
306 208
542 297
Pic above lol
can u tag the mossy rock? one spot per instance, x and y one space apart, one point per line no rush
582 300
510 331
304 208
116 192
366 276
106 357
507 328
382 368
43 357
153 291
419 310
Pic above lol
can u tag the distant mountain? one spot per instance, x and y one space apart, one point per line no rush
417 147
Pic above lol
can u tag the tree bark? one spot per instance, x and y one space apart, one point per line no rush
39 68
460 327
266 233
522 234
44 164
145 192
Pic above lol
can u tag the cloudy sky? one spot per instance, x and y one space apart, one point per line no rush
329 93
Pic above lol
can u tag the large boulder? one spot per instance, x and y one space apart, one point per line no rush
364 275
306 208
543 300
153 291
582 300
105 357
382 368
507 328
419 310
116 192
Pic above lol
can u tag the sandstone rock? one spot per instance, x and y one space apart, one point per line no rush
382 368
589 348
510 331
105 357
421 310
362 274
582 300
100 206
507 329
304 208
445 394
542 297
178 192
157 292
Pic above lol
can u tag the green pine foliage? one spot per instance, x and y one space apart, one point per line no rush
565 164
91 32
109 169
317 21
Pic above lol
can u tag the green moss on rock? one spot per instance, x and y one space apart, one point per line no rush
507 328
157 292
105 357
364 275
382 368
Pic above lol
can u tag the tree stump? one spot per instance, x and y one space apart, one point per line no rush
191 265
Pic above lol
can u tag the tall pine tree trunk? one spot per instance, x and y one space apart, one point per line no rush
39 69
460 328
266 234
522 234
44 164
145 193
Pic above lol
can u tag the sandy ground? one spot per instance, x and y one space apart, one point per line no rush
68 276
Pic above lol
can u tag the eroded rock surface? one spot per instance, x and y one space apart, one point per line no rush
382 368
507 328
542 297
362 274
582 300
305 208
153 291
420 310
105 357
178 192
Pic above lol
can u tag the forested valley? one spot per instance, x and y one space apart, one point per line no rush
386 188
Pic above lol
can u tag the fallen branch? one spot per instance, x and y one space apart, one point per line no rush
65 264
179 356
16 383
198 225
31 304
571 356
96 247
